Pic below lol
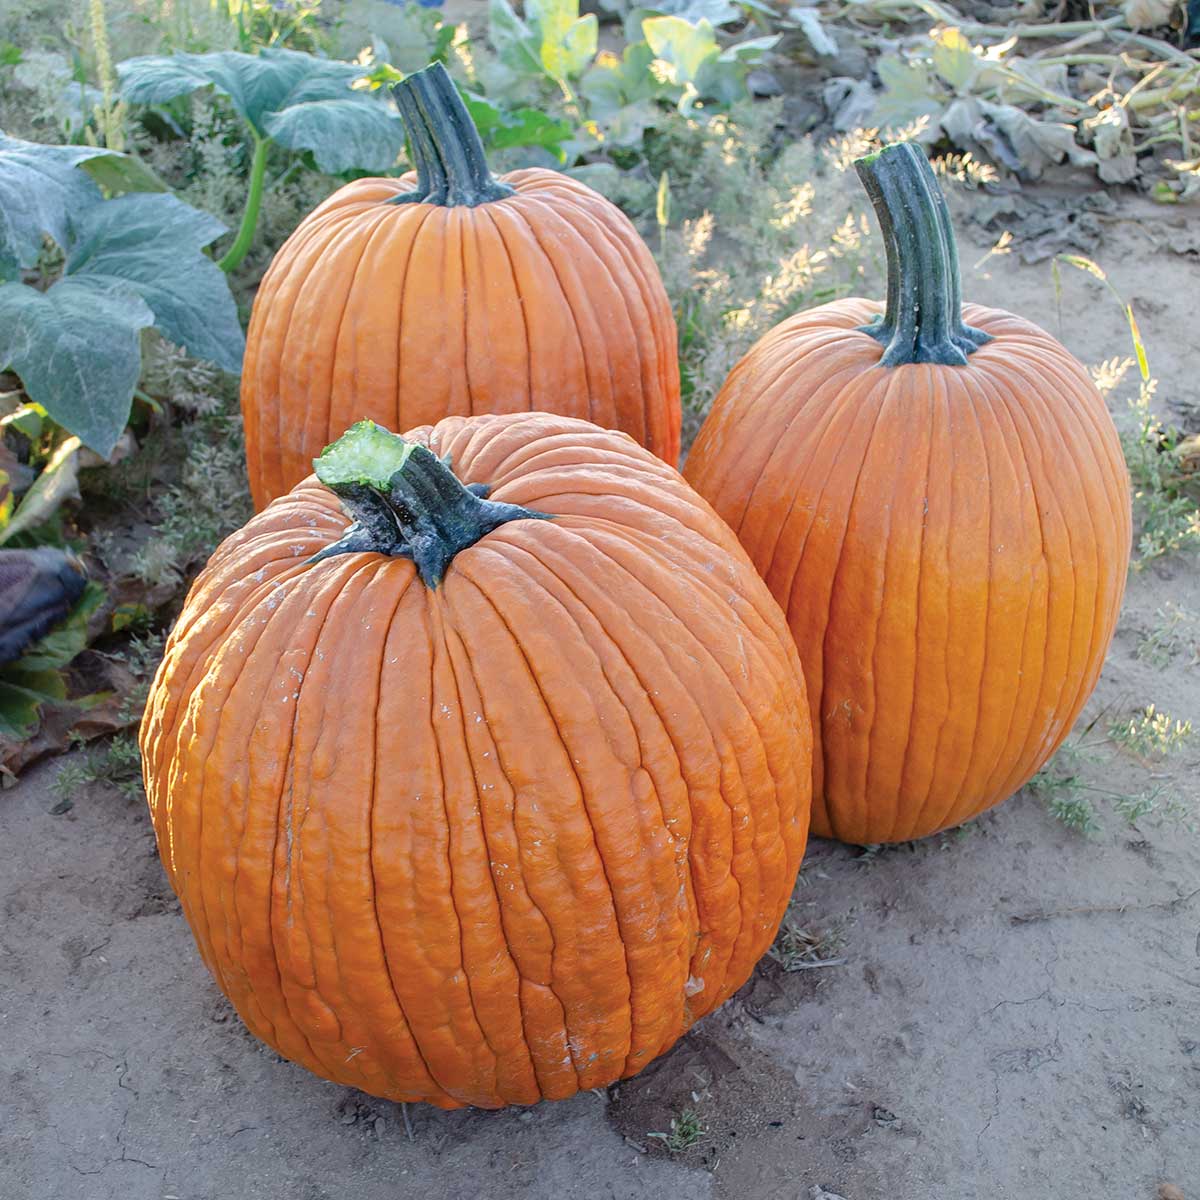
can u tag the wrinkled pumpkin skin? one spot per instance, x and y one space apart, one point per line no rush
407 313
504 839
950 545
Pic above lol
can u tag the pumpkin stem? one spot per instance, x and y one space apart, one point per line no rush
451 167
922 321
407 502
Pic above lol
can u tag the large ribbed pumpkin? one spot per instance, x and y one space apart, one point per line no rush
480 801
943 511
450 292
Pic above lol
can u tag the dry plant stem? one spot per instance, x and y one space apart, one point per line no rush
1049 914
1109 26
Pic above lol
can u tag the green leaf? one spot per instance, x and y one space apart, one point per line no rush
682 45
342 134
1139 347
256 84
909 93
304 102
522 127
121 173
715 12
953 58
57 480
696 61
612 84
152 244
568 41
60 646
809 22
22 694
39 189
35 678
517 46
10 55
76 348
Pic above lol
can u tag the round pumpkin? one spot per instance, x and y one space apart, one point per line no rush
449 292
937 498
480 800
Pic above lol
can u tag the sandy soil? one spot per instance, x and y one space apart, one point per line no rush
1017 1015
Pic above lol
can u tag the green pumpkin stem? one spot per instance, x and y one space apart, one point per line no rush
406 502
922 320
451 167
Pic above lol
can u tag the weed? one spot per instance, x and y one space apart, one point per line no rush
1164 804
1166 496
686 1131
71 779
1064 787
798 948
1177 630
1150 733
117 764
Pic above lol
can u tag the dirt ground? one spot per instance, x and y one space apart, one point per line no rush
1017 1015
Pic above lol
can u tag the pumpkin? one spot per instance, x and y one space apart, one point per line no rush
450 292
937 498
486 791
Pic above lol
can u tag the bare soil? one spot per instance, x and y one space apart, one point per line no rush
1017 1015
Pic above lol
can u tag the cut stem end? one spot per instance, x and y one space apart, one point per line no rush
406 502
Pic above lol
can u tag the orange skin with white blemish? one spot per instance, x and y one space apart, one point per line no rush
544 300
504 839
950 544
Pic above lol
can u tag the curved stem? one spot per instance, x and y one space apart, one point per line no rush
922 322
406 502
232 257
451 166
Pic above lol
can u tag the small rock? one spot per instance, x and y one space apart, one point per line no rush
763 83
819 1193
1168 1191
885 1119
380 1125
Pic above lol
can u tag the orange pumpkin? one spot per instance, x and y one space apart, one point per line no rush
937 498
480 801
450 292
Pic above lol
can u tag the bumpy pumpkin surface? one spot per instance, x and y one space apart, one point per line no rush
948 534
453 293
502 835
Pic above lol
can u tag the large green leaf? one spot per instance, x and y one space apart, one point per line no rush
342 134
568 41
613 83
152 244
39 189
304 102
520 127
517 46
698 64
57 480
909 92
256 84
121 173
683 46
76 348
